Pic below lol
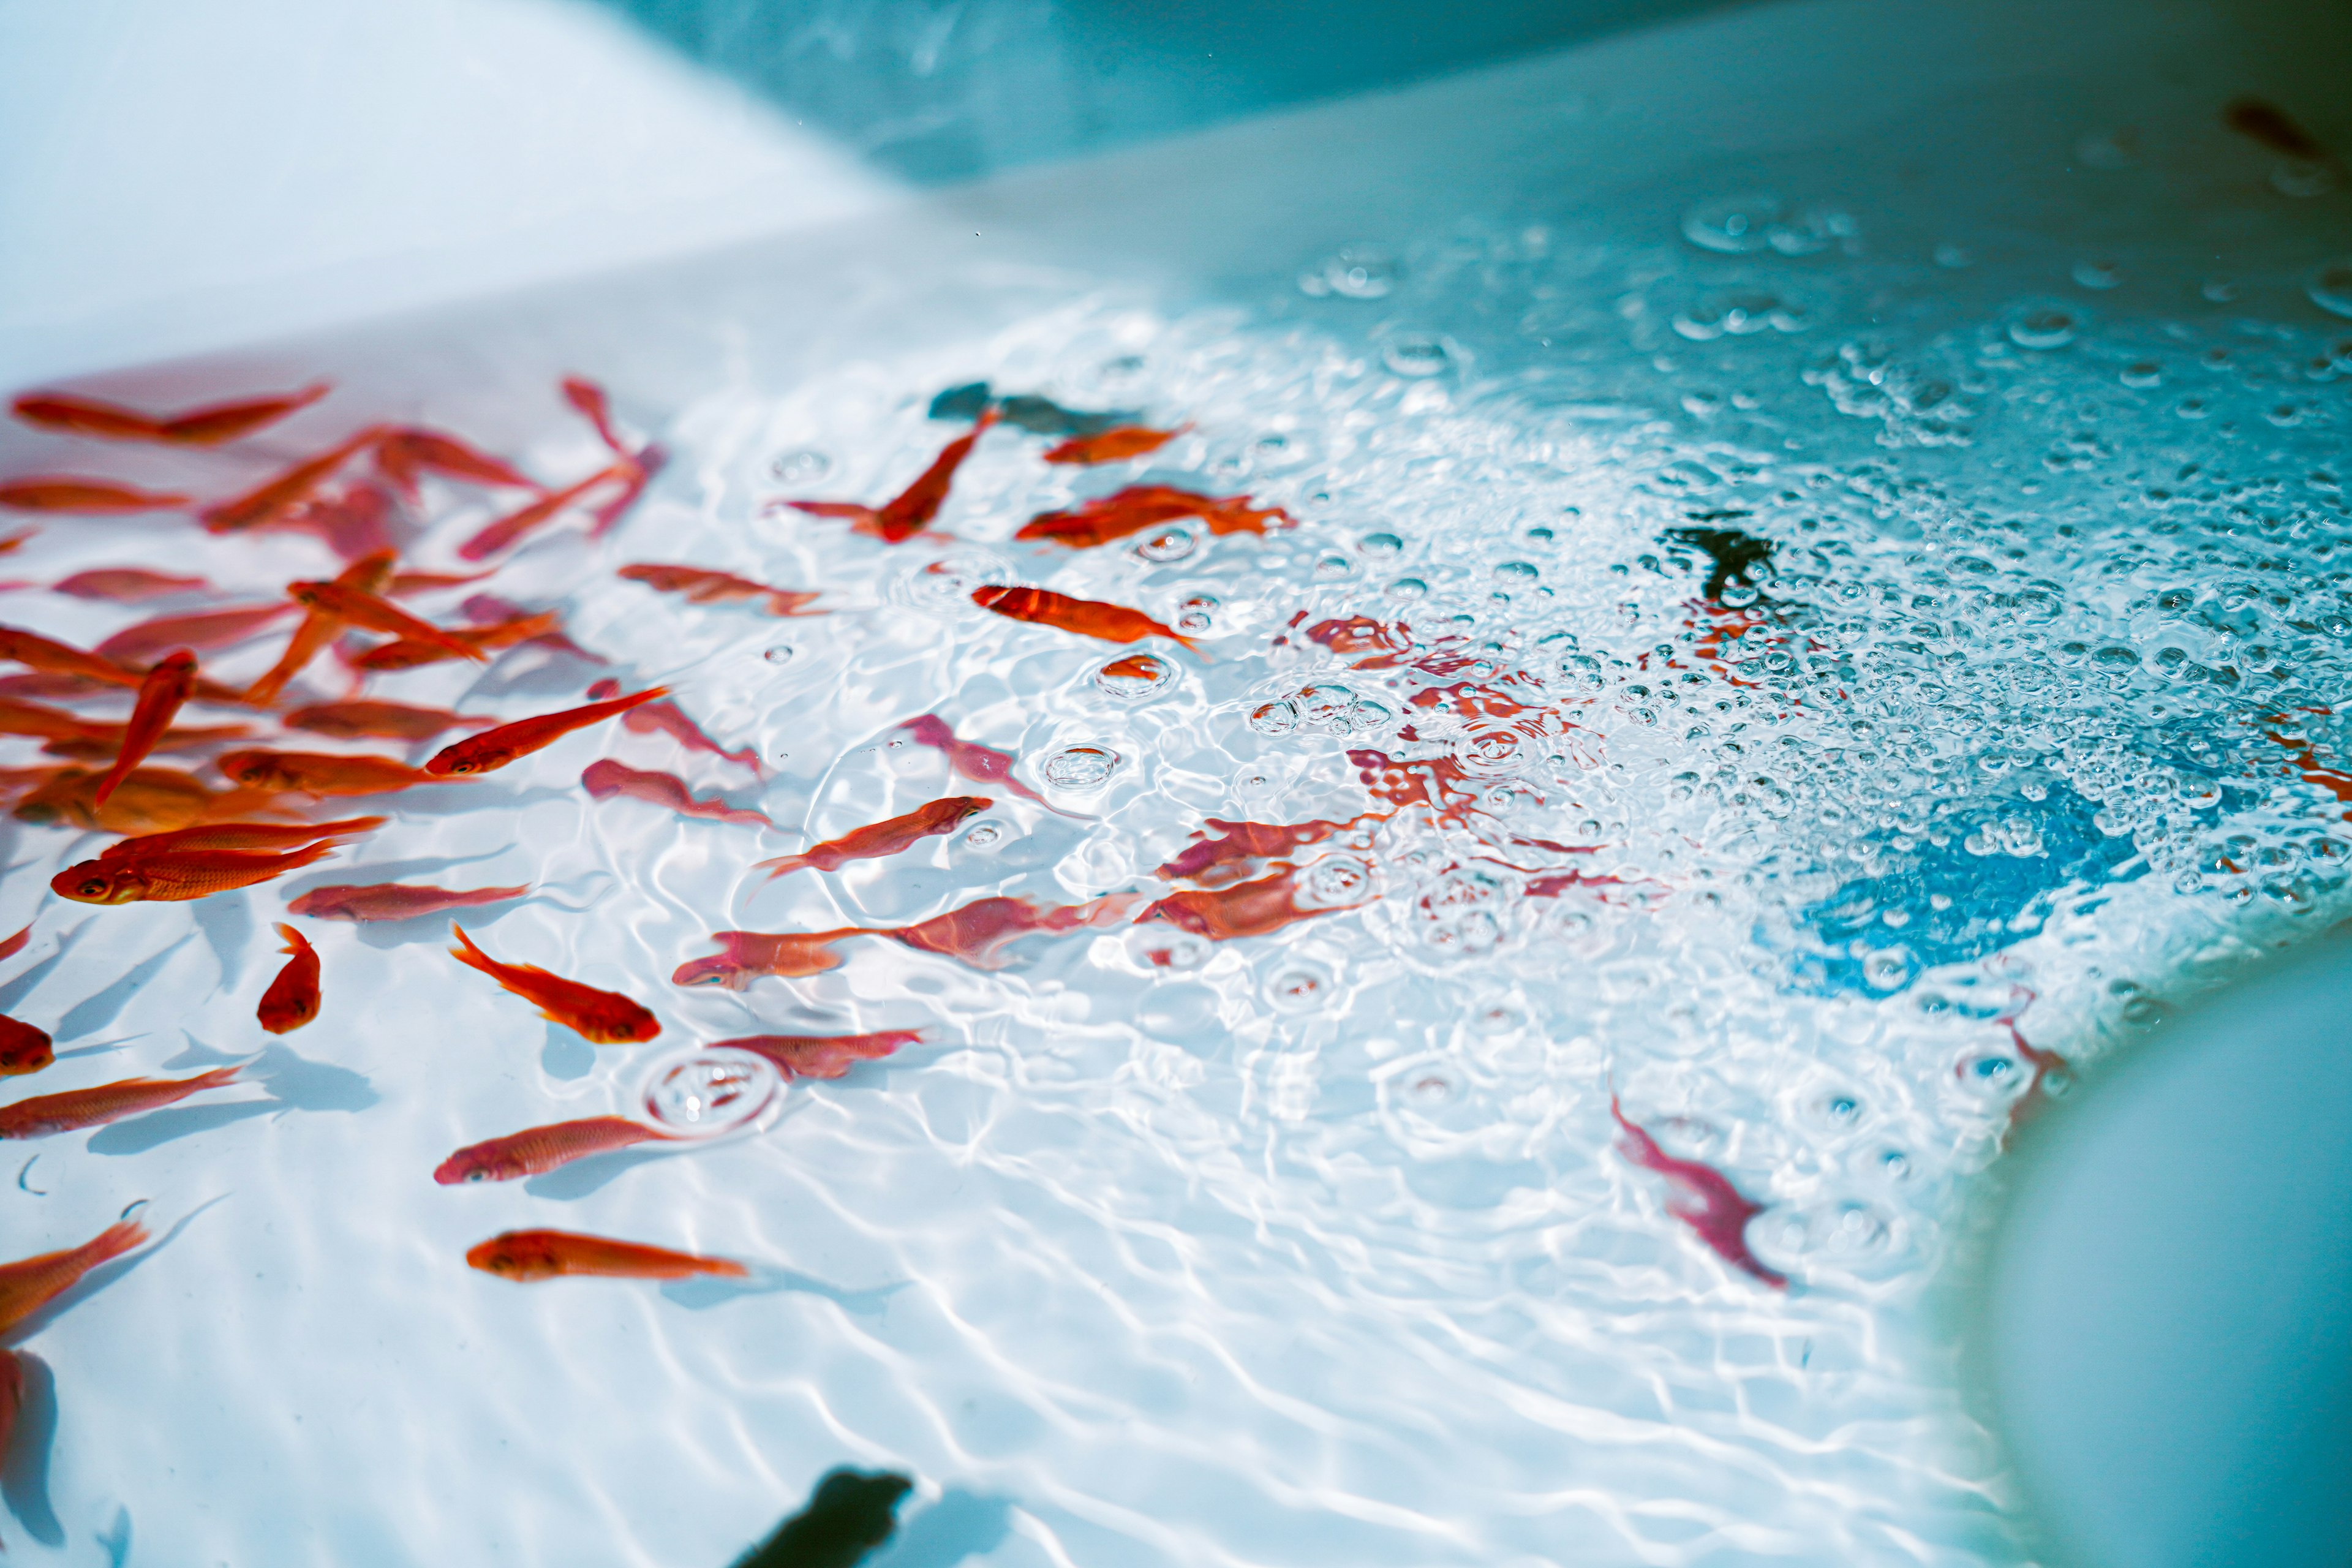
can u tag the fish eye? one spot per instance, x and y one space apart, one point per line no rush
478 1174
93 887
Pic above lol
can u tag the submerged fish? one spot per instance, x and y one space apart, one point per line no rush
1026 411
669 719
23 1048
1253 841
176 876
359 607
46 1114
1087 617
292 999
1114 445
527 1254
126 584
977 763
151 800
321 772
700 586
249 836
536 1150
405 453
1700 1197
745 956
382 721
912 510
32 1283
206 426
81 496
393 902
606 778
822 1055
289 488
879 839
35 651
167 686
496 748
134 645
1244 908
2267 123
978 933
12 946
508 530
1137 507
601 1017
368 574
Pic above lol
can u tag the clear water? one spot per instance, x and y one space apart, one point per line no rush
1314 1246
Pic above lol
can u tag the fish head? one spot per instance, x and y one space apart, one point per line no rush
25 1052
515 1255
482 1163
463 758
99 882
719 969
623 1023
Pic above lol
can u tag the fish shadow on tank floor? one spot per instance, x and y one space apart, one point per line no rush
848 1515
24 1467
141 1133
18 989
95 1012
582 1177
706 1292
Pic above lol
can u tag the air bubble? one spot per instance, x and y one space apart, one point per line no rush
1277 717
1408 589
1733 224
983 835
2098 274
1167 544
1415 354
1357 272
798 468
1300 987
1135 678
1379 544
781 653
1080 767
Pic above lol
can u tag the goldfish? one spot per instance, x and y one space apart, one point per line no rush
404 453
83 497
496 748
30 1284
523 1255
538 1149
432 581
1131 511
151 800
975 762
1114 445
353 518
37 652
602 1017
745 956
23 1048
173 876
208 425
823 1055
359 607
879 839
1087 617
48 1114
592 402
700 586
320 627
17 540
978 933
912 510
606 778
244 836
134 645
669 719
382 720
507 530
498 622
274 497
160 696
126 584
412 653
319 773
12 946
1700 1197
1244 908
292 999
393 902
1252 841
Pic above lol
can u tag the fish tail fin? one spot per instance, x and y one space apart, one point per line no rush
638 699
725 1267
473 957
307 856
781 866
220 1078
295 941
349 826
123 1235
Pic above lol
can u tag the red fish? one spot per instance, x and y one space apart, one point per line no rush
496 748
37 652
536 1150
32 1283
274 497
81 496
669 719
507 530
152 800
589 398
879 839
1254 841
1244 908
823 1055
176 876
432 581
16 945
403 454
523 1255
975 762
606 778
208 425
320 626
1087 617
135 646
700 586
1433 782
411 653
23 1048
912 510
745 956
1113 446
70 734
167 686
1138 507
292 999
48 1114
978 933
16 540
245 836
393 902
1700 1197
602 1017
319 773
126 584
382 720
359 607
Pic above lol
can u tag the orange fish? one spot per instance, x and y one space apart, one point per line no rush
410 653
83 497
359 607
30 1284
274 497
16 945
404 453
1138 507
152 800
1087 617
14 540
368 575
126 584
432 581
292 999
502 621
319 773
523 1255
606 778
1241 841
136 645
880 838
823 1055
73 735
393 902
175 875
23 1048
745 956
45 1115
591 401
700 586
496 748
507 530
979 764
978 933
1245 909
669 719
1433 782
160 696
536 1150
352 518
37 652
208 425
912 510
1114 445
384 721
246 836
601 1017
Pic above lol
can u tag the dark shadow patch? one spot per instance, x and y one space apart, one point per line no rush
701 1294
850 1513
960 1526
296 1081
16 989
581 1177
227 924
116 1539
168 1125
566 1055
25 1468
97 1012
